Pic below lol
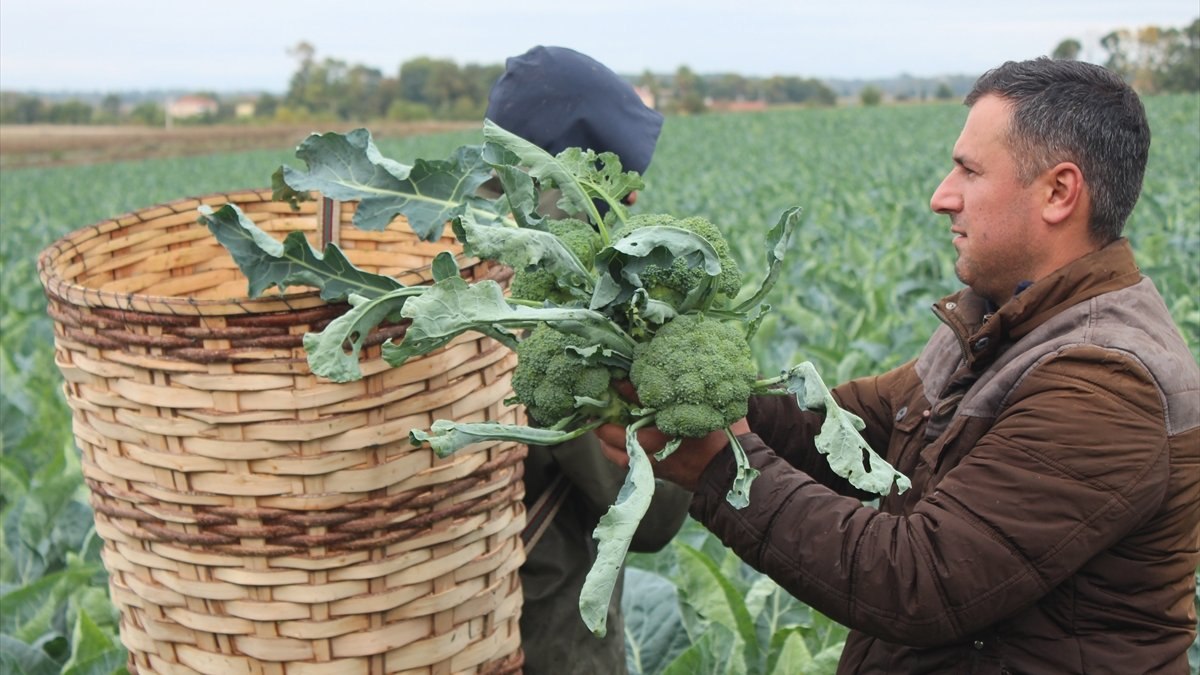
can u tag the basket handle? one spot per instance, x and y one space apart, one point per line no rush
329 217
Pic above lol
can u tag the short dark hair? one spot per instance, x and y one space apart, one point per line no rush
1077 112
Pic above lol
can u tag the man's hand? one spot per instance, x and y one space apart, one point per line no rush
682 467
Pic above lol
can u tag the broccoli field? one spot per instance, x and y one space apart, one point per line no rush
868 259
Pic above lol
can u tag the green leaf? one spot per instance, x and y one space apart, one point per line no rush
267 262
447 437
522 248
789 653
444 266
840 441
429 193
739 493
614 533
452 306
654 634
520 190
92 649
29 611
704 588
548 169
621 264
19 658
581 175
778 239
718 651
334 352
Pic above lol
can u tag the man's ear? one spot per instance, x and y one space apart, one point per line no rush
1066 193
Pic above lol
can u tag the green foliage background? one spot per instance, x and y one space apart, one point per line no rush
869 260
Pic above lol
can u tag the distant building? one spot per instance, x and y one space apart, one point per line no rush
646 95
245 109
186 107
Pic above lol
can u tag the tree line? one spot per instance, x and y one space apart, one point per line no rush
1153 59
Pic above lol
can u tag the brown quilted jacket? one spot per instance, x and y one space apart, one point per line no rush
1053 525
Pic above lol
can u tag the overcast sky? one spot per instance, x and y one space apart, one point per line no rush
227 45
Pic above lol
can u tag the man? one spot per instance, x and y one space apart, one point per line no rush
1050 427
558 98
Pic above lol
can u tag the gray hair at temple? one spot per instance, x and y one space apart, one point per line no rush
1072 111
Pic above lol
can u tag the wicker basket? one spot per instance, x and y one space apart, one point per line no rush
257 519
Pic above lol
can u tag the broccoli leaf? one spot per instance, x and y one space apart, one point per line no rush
519 187
601 177
327 351
444 266
447 437
452 306
614 533
778 238
848 453
621 264
579 175
349 167
267 262
739 493
522 248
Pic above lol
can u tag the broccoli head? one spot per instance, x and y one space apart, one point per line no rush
697 372
548 377
538 284
674 283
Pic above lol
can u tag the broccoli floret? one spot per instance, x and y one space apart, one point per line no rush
538 284
674 283
697 372
548 378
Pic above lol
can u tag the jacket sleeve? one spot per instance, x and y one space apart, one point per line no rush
596 481
1026 508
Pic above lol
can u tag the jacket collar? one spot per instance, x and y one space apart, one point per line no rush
983 333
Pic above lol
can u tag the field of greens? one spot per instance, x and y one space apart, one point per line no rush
868 261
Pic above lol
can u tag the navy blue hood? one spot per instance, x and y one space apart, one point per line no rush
558 98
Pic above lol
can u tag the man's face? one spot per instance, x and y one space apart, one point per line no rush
992 215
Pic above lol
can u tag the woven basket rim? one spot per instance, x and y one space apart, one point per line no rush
83 296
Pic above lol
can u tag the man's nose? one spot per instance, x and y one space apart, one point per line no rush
945 198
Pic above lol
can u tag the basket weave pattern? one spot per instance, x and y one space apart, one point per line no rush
256 518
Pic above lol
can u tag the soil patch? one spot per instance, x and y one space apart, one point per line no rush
58 145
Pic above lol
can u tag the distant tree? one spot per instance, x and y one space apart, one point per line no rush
446 89
109 109
22 109
414 78
688 95
871 95
69 112
408 111
1118 57
1067 50
1181 64
266 105
148 113
786 89
944 92
477 83
299 85
1155 59
728 87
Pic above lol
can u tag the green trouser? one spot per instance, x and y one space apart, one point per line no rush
553 635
